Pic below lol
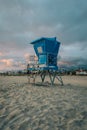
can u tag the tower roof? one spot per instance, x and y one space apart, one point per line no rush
43 38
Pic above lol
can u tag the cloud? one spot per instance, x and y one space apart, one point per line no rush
11 64
1 54
22 19
7 62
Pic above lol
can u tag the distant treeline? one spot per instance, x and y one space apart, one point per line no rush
62 72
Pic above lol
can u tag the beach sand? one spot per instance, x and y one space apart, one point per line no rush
25 106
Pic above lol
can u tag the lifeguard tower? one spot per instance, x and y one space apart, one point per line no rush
46 50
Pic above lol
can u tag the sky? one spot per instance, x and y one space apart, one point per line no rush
22 21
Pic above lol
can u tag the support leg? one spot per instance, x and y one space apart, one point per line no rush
52 78
43 77
60 79
28 79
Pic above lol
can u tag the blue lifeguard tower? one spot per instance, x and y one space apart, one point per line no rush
47 50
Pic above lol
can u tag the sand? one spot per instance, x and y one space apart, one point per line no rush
25 106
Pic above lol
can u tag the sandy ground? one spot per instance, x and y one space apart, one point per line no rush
25 106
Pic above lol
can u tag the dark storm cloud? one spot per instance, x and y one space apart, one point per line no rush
74 61
22 21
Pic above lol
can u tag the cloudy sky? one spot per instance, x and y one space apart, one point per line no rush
22 21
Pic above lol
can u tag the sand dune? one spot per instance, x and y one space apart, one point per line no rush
25 106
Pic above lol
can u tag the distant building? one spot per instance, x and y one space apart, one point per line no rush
81 72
